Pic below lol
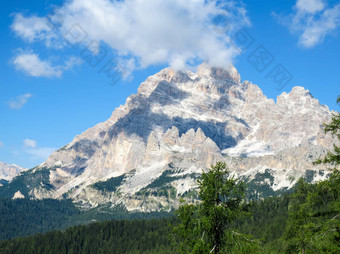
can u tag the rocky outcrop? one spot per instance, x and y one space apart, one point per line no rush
180 123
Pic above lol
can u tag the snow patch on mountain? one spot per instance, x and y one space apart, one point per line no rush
248 148
9 171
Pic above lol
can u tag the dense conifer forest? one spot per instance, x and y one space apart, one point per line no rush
268 221
24 217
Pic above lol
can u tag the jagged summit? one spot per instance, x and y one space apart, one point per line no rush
299 90
229 72
205 74
203 70
179 123
298 95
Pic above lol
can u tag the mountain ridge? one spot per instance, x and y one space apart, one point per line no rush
179 123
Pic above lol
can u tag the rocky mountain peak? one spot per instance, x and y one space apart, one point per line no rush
299 90
299 98
206 78
229 72
179 123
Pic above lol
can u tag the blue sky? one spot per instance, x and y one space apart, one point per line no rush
57 57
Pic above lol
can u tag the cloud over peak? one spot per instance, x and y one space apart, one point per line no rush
150 32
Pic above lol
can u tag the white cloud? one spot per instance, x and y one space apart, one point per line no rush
29 143
149 32
1 144
32 65
33 28
313 20
36 153
71 62
19 101
40 153
310 6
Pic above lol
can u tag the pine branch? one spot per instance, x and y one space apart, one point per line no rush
247 239
212 249
323 234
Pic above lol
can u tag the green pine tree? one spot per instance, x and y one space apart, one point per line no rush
325 203
300 227
328 237
333 127
207 226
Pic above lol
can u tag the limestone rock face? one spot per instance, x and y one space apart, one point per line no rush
153 147
17 195
8 172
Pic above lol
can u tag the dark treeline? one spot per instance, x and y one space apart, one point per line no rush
24 217
267 223
124 236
